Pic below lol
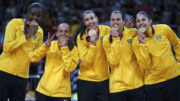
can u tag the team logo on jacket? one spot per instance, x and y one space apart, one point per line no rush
101 38
129 41
34 37
159 37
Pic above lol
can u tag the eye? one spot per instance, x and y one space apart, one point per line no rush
143 19
86 19
137 21
60 31
112 19
32 14
38 15
92 18
66 31
118 19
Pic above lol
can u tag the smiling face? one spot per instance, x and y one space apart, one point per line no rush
63 31
35 14
143 21
116 20
90 20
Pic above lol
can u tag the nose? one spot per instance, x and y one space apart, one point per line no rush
141 23
63 33
115 23
90 21
35 18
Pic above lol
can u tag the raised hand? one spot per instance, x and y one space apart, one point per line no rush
141 37
48 41
63 41
93 39
129 23
31 31
114 32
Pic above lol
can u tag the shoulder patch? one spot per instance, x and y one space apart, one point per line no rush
34 37
129 41
101 37
159 37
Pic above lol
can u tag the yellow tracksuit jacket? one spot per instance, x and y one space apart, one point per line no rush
94 65
55 81
15 58
125 71
156 57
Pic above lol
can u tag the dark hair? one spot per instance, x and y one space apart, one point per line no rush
34 5
82 27
70 45
143 13
117 12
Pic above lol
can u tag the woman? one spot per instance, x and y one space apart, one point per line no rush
126 79
22 37
93 83
61 59
153 51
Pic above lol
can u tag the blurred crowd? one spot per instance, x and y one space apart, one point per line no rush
58 11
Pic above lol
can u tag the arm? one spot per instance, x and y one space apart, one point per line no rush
129 22
14 38
174 41
39 53
112 50
141 52
70 58
87 55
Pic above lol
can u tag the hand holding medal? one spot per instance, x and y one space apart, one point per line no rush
141 35
93 36
33 23
114 32
92 32
142 30
32 29
63 41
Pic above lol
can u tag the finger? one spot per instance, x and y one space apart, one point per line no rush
52 37
34 27
48 35
131 18
94 39
62 41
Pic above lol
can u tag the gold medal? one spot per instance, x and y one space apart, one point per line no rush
92 32
142 30
32 23
63 38
116 27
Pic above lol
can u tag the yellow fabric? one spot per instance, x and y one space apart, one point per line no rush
55 81
74 28
30 94
156 57
125 71
15 57
94 65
